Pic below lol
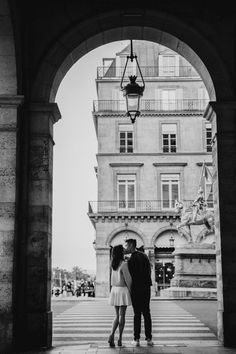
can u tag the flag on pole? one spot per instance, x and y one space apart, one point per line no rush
206 182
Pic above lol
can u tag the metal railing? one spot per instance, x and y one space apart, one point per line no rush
152 105
116 206
147 71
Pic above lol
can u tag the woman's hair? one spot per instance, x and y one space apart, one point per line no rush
117 256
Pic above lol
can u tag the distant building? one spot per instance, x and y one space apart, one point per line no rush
143 168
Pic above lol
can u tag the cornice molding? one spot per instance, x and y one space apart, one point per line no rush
135 217
166 164
148 114
126 164
154 154
152 78
206 163
51 108
11 100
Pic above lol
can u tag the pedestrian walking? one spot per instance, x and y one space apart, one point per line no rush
120 292
140 271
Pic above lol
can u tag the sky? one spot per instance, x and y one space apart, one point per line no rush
74 179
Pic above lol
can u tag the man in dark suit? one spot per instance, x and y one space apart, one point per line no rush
140 270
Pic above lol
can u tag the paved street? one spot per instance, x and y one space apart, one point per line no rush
204 310
184 327
90 322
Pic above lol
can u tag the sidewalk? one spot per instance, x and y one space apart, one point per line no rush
92 349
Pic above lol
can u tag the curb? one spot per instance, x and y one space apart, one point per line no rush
79 299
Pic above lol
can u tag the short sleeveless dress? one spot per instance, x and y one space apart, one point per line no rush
119 295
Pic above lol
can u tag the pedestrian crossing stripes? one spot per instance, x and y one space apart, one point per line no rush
90 323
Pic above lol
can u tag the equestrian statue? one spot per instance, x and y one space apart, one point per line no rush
194 214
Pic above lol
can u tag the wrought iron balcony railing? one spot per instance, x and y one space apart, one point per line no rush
152 105
116 206
147 71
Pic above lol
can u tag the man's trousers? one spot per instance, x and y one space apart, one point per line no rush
141 305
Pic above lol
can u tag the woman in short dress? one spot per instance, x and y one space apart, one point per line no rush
120 292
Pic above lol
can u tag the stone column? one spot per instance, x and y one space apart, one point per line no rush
222 115
34 325
8 147
102 288
150 253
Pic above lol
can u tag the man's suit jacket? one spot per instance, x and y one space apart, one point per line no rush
140 271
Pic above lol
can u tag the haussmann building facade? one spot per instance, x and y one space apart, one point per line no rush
142 168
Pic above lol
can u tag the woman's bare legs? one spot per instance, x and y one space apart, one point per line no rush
121 323
114 327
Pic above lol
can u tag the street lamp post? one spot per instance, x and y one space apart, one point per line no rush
132 91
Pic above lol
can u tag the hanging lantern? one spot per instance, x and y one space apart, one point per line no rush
172 240
132 91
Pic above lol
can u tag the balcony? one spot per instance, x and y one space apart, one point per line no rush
185 105
147 71
137 206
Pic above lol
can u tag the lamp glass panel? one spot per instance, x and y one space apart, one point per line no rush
132 102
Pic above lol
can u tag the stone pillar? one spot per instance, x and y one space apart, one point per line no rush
151 255
34 316
8 147
102 288
222 115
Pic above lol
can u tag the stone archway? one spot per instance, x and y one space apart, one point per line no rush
32 314
103 255
45 111
153 26
54 67
164 231
122 232
181 38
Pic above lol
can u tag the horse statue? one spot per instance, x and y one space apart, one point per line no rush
194 214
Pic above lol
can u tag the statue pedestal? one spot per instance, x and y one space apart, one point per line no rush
195 272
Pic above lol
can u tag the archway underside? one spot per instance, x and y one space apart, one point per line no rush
183 40
72 46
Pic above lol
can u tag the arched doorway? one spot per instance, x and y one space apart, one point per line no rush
33 252
119 239
164 246
103 255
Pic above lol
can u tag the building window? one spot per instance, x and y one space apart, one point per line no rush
208 137
169 65
126 191
106 66
169 142
168 99
126 138
169 190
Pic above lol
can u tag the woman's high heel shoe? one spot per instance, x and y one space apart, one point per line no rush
111 341
119 343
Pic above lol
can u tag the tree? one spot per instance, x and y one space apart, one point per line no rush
78 273
61 276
